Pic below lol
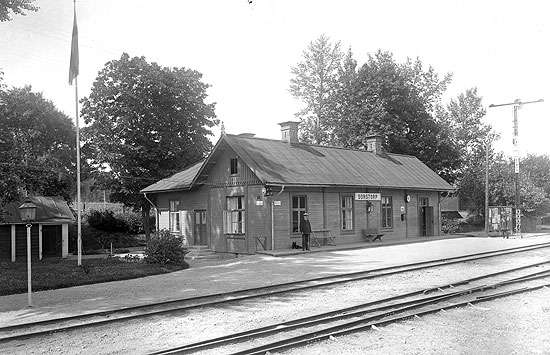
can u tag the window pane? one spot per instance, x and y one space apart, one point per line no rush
294 202
302 202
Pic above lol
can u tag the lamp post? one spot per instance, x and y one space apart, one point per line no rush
28 214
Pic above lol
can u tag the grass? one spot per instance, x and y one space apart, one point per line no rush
50 274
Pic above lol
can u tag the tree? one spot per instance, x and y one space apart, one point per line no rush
18 7
37 146
397 101
145 122
315 82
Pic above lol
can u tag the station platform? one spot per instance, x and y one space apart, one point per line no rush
359 245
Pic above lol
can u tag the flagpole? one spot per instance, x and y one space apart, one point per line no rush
78 204
73 74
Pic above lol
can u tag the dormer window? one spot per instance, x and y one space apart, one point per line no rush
234 166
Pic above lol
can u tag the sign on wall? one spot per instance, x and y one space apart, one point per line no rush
368 196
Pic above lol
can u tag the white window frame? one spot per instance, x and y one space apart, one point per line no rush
386 212
175 218
234 218
346 212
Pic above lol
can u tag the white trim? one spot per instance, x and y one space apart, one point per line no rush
64 240
39 241
13 243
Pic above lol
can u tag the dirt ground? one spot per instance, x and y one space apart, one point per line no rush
513 325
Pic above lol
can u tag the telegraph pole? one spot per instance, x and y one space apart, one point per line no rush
517 105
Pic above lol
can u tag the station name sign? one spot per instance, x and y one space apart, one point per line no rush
368 196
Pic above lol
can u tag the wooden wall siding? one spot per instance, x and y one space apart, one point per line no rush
282 220
196 199
220 175
258 217
5 242
21 241
323 205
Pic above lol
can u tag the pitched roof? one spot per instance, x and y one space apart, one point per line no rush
49 210
279 163
178 181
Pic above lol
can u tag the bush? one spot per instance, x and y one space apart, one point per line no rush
450 226
106 221
165 248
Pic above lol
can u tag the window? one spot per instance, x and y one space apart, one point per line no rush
298 210
347 212
175 223
387 212
235 215
234 166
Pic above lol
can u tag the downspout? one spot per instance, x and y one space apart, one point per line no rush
272 216
156 211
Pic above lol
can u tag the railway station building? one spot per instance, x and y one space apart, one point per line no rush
251 193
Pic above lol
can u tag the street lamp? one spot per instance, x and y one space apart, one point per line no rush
28 214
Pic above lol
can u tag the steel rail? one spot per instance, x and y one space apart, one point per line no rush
351 312
377 321
228 297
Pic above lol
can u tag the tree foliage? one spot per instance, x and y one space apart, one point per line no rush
314 82
397 101
533 178
37 146
145 122
17 7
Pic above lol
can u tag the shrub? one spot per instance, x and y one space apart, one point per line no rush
450 226
165 248
106 221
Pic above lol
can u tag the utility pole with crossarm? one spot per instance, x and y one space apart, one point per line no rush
517 105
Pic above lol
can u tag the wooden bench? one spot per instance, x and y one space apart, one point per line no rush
322 234
371 234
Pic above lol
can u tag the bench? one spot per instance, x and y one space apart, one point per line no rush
322 235
371 234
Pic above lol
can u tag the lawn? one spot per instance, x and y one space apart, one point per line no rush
49 274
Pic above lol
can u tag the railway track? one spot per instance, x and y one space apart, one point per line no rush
34 329
369 315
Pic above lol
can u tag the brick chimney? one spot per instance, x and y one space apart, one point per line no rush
374 143
289 131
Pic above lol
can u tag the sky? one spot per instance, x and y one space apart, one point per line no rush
245 51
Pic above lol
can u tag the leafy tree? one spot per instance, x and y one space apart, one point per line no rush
145 122
18 7
315 82
397 101
537 169
37 146
535 200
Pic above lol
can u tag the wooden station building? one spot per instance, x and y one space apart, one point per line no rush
251 193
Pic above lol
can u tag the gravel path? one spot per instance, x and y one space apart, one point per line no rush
465 331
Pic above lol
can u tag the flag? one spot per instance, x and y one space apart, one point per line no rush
73 69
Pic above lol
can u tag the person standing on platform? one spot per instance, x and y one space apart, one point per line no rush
305 229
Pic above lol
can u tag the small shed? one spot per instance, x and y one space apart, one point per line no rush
49 232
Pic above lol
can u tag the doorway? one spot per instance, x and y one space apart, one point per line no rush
426 217
200 228
51 241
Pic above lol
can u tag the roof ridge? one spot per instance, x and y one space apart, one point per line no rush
317 145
